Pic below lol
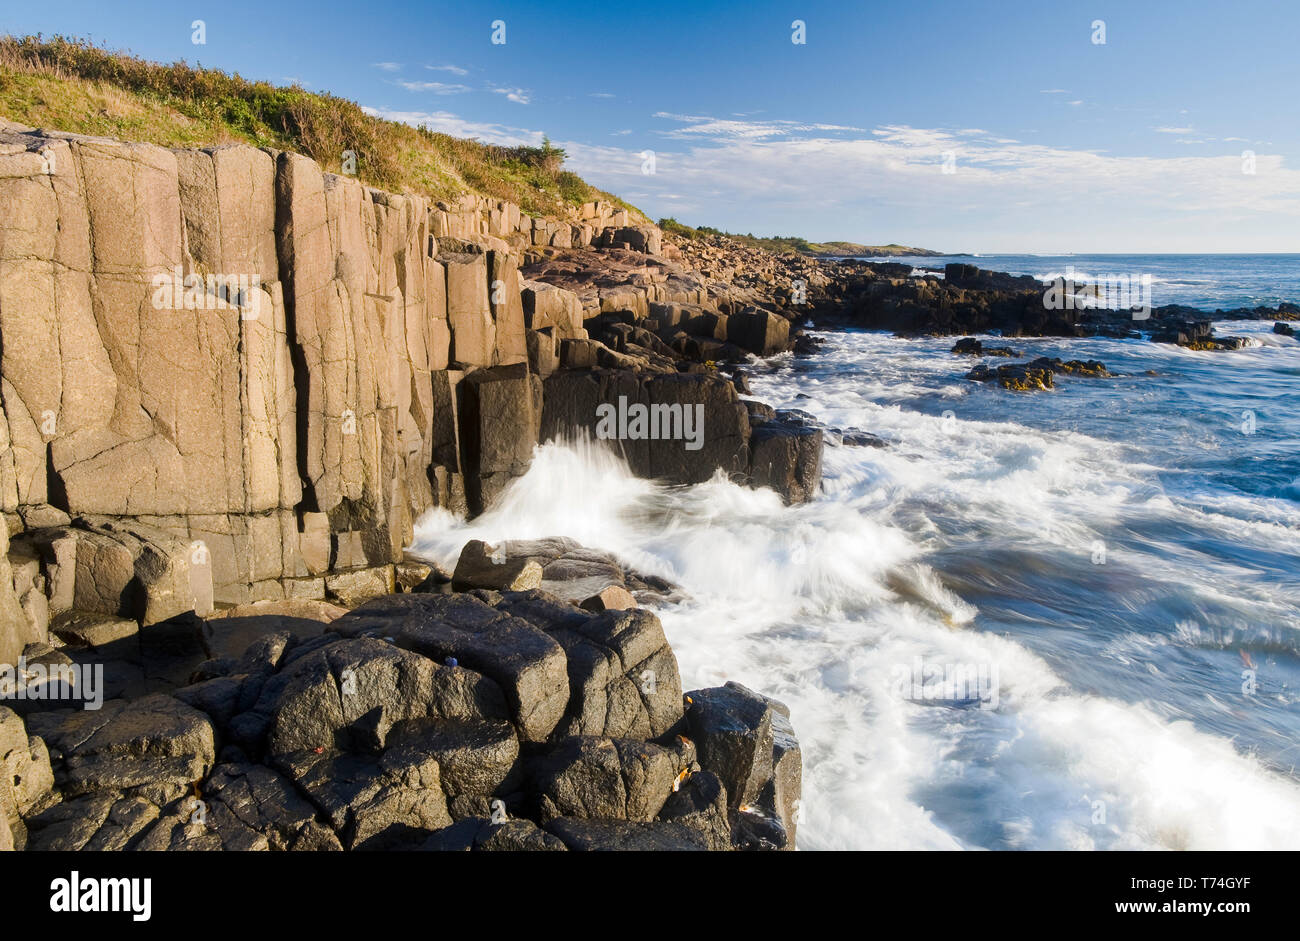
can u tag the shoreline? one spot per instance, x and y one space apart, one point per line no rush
216 509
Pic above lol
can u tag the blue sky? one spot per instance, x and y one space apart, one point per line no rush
1053 142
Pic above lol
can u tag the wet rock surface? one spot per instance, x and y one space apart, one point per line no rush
481 720
1036 374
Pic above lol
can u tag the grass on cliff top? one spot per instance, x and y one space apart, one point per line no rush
781 244
73 85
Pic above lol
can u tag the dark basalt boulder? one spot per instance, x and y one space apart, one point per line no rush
1016 377
261 800
222 698
523 662
480 834
240 807
1183 333
759 412
782 793
623 676
786 455
718 429
1073 367
393 801
609 598
861 439
694 425
1197 335
971 346
805 344
731 727
602 778
479 721
483 566
104 820
1225 343
476 758
700 803
560 567
623 835
747 741
758 331
154 747
349 694
500 411
753 830
528 665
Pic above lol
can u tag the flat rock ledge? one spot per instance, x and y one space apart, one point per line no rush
547 716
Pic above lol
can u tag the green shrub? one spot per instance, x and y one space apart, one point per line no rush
182 105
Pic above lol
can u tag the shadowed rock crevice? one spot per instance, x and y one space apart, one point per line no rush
56 493
297 355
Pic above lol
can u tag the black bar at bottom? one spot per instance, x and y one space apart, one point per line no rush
346 891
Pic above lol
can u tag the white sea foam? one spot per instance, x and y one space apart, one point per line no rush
911 553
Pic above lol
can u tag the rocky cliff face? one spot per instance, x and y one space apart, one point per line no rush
255 438
227 376
229 385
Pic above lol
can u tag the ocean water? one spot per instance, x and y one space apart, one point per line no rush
1060 620
1211 282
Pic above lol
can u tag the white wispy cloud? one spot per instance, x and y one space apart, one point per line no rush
387 66
600 94
1173 130
518 95
1039 194
888 184
1054 91
438 88
447 123
720 129
453 69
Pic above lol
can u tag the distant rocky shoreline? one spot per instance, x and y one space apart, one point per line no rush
208 503
969 300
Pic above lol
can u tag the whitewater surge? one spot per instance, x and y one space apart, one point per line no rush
1115 594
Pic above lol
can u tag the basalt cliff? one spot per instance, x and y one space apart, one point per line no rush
231 383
